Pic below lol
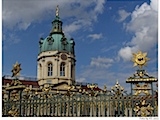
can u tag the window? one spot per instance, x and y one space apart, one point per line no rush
72 71
50 68
40 70
58 26
62 69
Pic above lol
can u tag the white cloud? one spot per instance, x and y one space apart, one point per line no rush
80 80
108 49
101 62
76 25
110 8
95 36
123 15
99 7
21 14
11 38
144 25
23 26
105 76
125 53
154 5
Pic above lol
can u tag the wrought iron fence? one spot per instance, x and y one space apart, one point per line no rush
24 104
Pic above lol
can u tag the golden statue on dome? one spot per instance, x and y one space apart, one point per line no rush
57 11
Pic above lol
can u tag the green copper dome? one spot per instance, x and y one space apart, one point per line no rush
56 39
56 42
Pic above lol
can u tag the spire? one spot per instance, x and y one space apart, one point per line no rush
56 23
57 11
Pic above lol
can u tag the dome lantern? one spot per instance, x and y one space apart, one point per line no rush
56 24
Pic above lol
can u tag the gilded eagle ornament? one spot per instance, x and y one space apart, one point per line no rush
140 59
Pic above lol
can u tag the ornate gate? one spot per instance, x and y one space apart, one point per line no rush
22 101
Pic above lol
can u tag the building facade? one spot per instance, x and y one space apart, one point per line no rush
56 59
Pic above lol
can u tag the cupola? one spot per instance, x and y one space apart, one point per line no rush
56 40
56 24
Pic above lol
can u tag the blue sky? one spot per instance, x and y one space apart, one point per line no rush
106 34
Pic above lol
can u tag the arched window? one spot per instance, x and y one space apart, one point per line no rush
50 68
62 69
40 70
71 71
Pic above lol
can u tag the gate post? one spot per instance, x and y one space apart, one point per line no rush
143 85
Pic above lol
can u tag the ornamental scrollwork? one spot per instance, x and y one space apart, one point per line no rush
143 109
117 89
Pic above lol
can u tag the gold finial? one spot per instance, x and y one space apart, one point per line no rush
140 59
105 87
57 11
117 82
16 69
92 86
117 89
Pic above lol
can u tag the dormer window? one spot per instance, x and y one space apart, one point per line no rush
64 42
50 40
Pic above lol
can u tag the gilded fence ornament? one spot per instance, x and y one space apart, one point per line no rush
91 86
14 96
46 89
143 109
15 83
69 88
81 90
141 74
142 89
92 93
13 112
117 89
36 92
105 88
16 69
140 59
27 90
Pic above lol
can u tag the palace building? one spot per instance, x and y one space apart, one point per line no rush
55 62
56 59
